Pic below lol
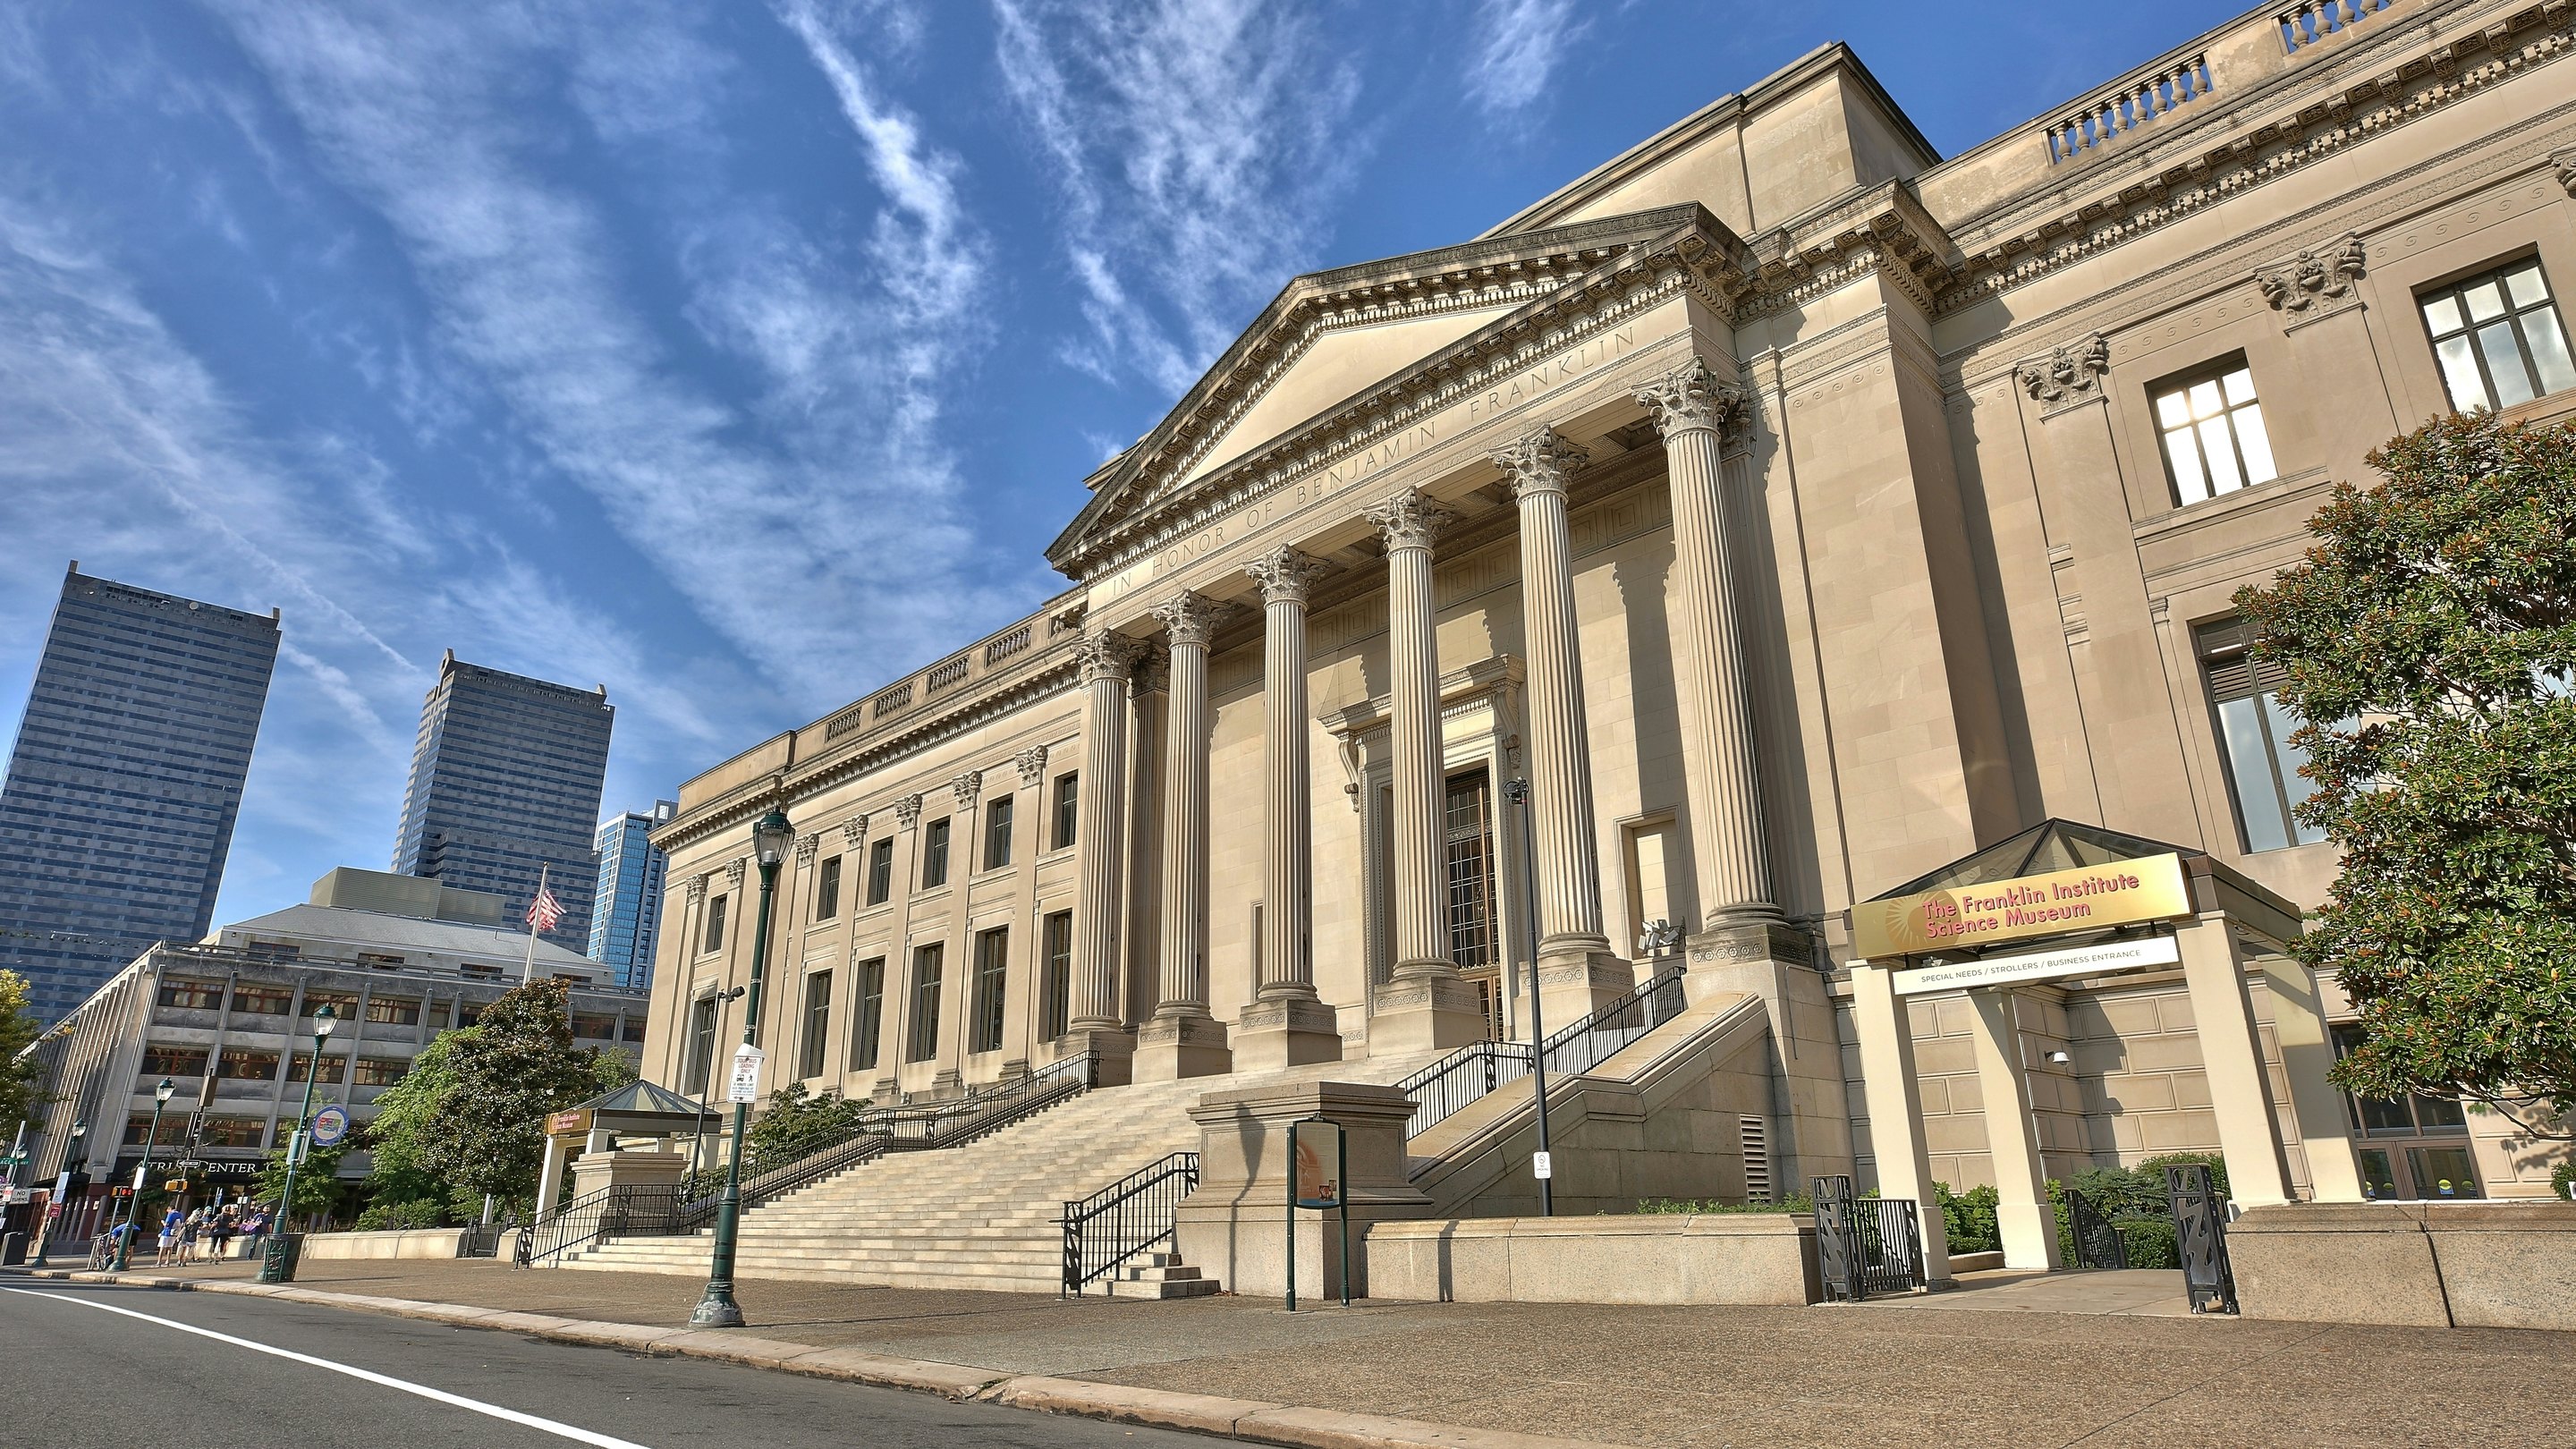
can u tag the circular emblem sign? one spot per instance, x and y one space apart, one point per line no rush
329 1126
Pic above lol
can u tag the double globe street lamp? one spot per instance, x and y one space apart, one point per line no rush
134 1199
771 837
279 1265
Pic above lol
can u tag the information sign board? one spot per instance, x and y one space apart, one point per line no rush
744 1084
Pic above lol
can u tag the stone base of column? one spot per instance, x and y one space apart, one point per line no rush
1289 1032
1775 961
1574 981
1431 1012
1112 1051
950 1082
1169 1048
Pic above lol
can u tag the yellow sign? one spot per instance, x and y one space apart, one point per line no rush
568 1124
2083 899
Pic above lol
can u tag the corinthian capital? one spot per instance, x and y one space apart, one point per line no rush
697 889
854 831
1539 461
1690 396
1108 654
907 811
966 788
1411 519
1286 576
1190 620
806 848
1032 764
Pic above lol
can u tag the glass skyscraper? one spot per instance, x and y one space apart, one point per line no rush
505 780
125 781
626 911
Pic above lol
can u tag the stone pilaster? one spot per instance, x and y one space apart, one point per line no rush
1182 1039
1577 971
1427 1005
1286 1024
1101 809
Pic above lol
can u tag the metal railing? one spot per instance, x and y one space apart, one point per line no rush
1866 1245
2095 1242
1482 1067
1124 1219
611 1212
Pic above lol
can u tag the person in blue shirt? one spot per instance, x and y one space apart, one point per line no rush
170 1222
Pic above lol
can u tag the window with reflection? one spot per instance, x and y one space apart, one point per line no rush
2254 730
2212 426
2498 338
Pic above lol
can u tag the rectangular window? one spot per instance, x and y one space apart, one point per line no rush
344 1007
393 1010
997 831
245 1065
934 855
380 960
1471 871
992 972
1068 810
162 1060
233 1132
2498 338
870 1017
1055 1001
274 951
589 1027
880 872
827 890
926 967
702 1046
818 1022
262 1000
174 1129
381 1071
715 925
192 995
2254 732
335 1070
632 1031
2214 438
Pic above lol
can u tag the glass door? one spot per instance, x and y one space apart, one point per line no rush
1468 856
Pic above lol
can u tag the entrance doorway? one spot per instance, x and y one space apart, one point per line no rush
1468 866
2412 1148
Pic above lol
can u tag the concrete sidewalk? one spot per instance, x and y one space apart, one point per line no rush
1889 1373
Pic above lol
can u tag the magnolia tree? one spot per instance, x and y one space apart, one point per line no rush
2430 643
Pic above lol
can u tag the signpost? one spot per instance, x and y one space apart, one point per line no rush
744 1084
1319 1164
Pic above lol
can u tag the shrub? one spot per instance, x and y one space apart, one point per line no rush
2150 1242
2562 1179
1968 1218
797 1125
417 1213
1796 1202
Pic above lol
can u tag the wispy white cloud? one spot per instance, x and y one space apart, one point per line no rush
1196 144
1517 46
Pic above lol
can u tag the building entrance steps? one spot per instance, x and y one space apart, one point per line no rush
982 1215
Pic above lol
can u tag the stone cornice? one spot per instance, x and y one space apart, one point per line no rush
1675 251
1883 229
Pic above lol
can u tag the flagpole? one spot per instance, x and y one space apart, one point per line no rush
528 972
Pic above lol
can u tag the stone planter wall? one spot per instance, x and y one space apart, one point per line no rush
2435 1265
1635 1258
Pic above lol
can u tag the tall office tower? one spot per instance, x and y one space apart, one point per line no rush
506 779
626 910
125 781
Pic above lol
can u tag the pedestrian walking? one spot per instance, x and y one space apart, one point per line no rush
221 1232
169 1245
190 1228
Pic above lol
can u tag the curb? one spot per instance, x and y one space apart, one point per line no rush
1244 1420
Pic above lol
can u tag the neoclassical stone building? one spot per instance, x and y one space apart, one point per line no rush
1794 509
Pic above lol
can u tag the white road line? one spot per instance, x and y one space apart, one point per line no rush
566 1431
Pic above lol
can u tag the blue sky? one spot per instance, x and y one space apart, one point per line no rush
738 355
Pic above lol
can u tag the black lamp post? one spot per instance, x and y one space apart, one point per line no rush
62 1211
1519 791
279 1264
125 1240
698 1139
771 836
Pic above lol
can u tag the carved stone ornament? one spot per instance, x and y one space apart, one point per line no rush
907 812
697 889
2070 374
2312 281
1691 396
1189 619
1286 575
1032 764
1411 519
807 847
1108 654
854 831
733 873
966 788
1153 673
2564 163
1539 461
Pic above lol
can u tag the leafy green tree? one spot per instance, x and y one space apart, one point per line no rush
2430 645
18 1031
476 1121
317 1182
797 1124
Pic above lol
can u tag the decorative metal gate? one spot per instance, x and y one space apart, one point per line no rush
2200 1234
2097 1244
1865 1246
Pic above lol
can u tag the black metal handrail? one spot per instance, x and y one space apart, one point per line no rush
1125 1218
1482 1067
610 1212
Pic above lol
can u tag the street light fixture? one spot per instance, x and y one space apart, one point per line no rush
279 1265
125 1240
62 1211
1544 1166
771 837
698 1138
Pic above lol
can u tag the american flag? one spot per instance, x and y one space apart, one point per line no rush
544 911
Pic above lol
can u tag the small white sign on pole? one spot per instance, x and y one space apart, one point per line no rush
1541 1165
2040 965
744 1085
295 1150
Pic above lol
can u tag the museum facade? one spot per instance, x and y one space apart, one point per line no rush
1758 524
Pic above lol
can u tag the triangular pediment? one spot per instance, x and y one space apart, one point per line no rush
1331 340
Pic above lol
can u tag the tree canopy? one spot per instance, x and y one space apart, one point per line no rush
2429 642
18 1031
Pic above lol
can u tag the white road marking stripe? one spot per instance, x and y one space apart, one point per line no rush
566 1431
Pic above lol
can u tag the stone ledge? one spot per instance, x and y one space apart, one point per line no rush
1642 1258
2430 1265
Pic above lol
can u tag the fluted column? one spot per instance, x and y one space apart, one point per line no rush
1100 812
1691 407
1577 969
1427 1005
1286 1024
1182 1040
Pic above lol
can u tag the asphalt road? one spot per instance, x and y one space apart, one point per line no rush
80 1368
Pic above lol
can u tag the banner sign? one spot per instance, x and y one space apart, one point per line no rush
744 1084
2061 902
568 1124
2040 965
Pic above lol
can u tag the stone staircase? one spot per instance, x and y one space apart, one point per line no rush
982 1215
